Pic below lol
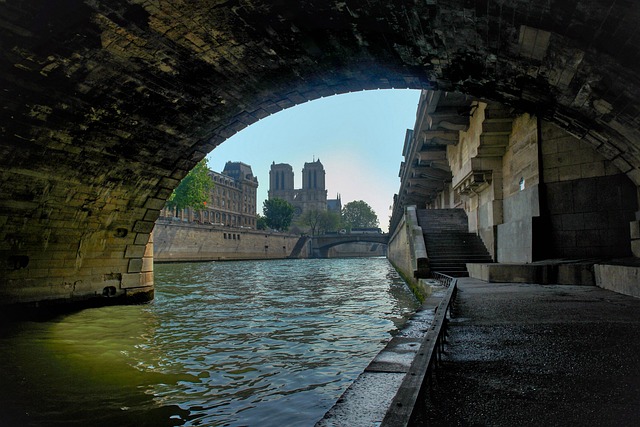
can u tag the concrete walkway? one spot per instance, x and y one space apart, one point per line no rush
537 355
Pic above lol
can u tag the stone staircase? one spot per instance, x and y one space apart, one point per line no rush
297 249
449 244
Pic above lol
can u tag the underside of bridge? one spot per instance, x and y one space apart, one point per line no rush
107 104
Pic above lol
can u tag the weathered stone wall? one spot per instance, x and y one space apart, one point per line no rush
582 209
515 236
590 202
520 160
520 204
192 242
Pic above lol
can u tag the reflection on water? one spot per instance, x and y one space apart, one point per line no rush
266 343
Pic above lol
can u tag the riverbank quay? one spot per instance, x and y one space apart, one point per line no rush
388 389
527 354
175 241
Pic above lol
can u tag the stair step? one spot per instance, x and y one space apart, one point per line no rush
449 244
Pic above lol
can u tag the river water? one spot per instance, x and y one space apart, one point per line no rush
247 343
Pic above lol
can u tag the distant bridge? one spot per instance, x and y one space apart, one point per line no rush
320 245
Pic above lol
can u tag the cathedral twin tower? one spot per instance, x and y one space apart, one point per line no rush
312 196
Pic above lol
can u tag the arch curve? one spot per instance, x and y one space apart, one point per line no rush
107 105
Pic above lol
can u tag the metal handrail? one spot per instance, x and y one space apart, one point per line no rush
428 356
443 279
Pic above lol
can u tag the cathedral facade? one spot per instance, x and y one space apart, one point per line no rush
312 195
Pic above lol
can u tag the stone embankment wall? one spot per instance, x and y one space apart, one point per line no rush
192 242
407 253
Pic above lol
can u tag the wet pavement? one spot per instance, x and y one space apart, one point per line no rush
536 355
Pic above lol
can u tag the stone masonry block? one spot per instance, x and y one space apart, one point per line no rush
595 220
134 251
573 222
154 203
590 170
101 262
38 273
151 215
569 173
635 248
586 155
634 229
147 264
583 195
135 265
567 144
146 278
622 164
610 168
131 280
551 132
608 151
169 183
589 239
566 239
143 226
142 238
549 147
163 193
554 160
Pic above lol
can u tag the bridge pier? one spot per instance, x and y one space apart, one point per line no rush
49 267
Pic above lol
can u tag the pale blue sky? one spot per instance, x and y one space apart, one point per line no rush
358 138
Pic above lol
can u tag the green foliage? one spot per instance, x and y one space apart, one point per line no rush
278 213
330 221
194 189
358 214
319 222
261 222
310 219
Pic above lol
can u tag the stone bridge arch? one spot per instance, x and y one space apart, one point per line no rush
320 245
107 104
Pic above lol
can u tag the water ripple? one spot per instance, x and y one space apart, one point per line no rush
265 343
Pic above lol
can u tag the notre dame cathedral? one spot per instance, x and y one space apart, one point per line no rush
312 196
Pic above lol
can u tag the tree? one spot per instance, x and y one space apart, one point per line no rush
278 213
261 222
319 222
358 214
311 219
329 221
194 189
